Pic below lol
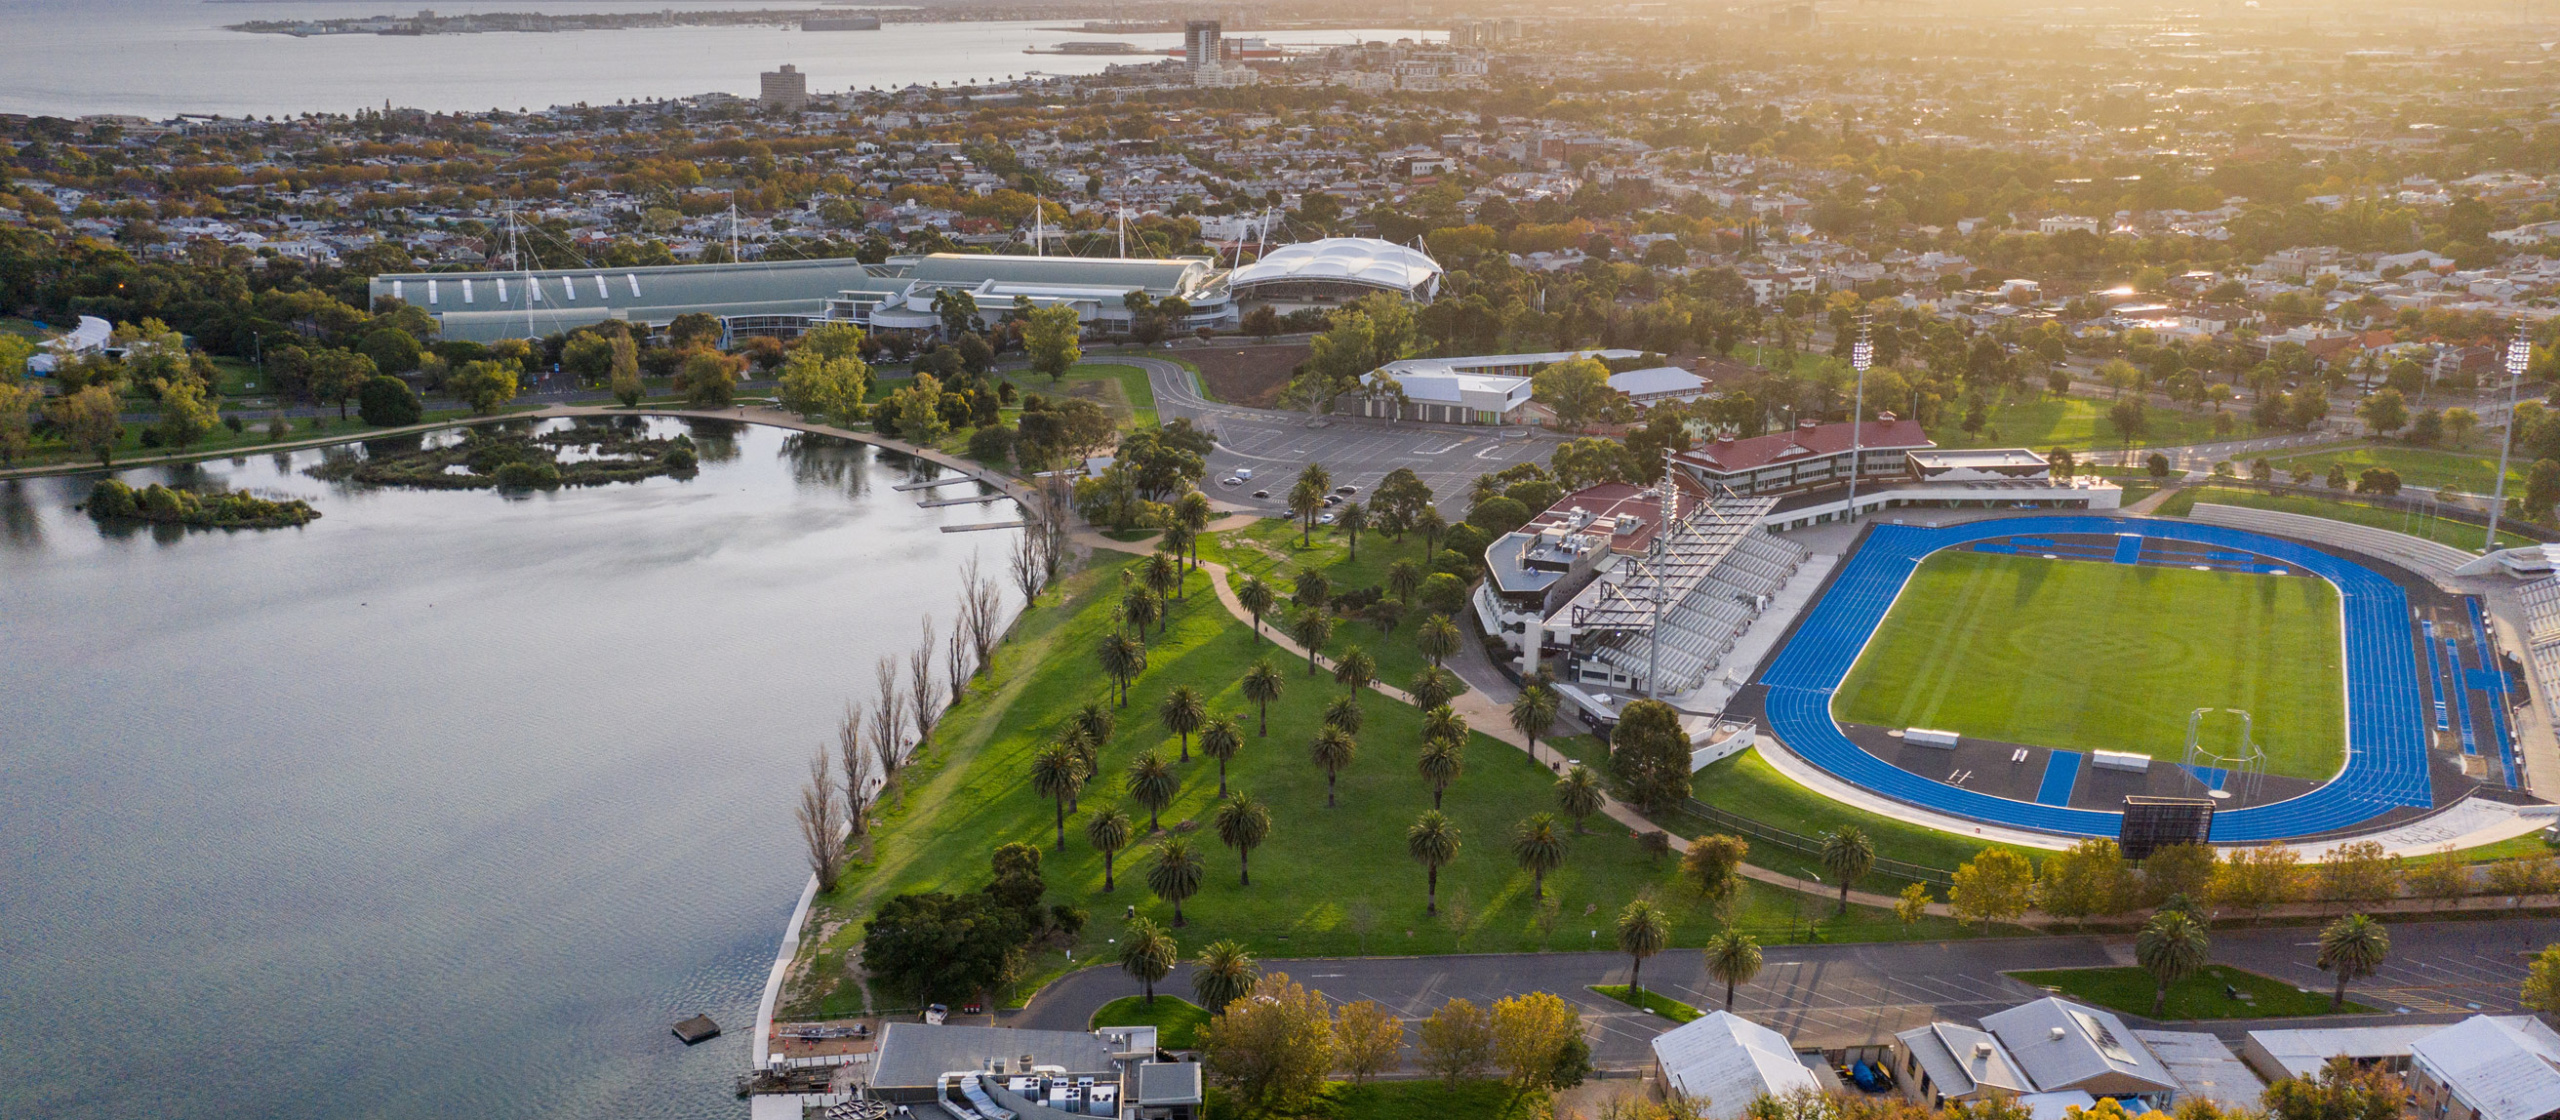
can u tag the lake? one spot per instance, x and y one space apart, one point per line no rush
446 804
157 58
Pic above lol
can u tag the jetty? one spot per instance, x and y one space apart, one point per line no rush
930 483
972 500
1016 523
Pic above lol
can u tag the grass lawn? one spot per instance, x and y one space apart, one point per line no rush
1649 1000
1269 548
1329 881
26 327
1177 1021
1746 785
2043 420
2472 472
2090 656
1406 1100
2442 530
1123 389
2204 995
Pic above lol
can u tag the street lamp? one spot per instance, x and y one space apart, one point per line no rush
2519 356
1862 357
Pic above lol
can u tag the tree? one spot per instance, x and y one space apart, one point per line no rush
2257 879
1305 501
2088 879
1911 906
1147 954
1226 973
2352 948
1992 885
387 402
1643 930
1847 854
2128 419
2175 870
1732 957
1576 388
1344 714
335 375
1440 763
1108 832
2541 991
1432 841
1152 784
1433 687
1174 873
1243 824
1369 1040
917 411
2344 1090
1531 712
1578 793
1273 1047
937 946
1256 597
184 414
1650 753
1404 577
1312 629
1221 739
625 376
2459 423
1591 461
87 421
2363 871
1355 669
1049 334
821 829
2385 412
1182 713
1457 1041
1536 846
1123 657
1057 773
1437 638
484 386
1530 1032
824 388
1262 686
2171 947
1714 864
17 413
1141 608
1333 750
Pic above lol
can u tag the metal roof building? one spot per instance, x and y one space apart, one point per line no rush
1338 269
1728 1062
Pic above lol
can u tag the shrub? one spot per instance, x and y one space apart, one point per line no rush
522 475
387 402
992 444
110 498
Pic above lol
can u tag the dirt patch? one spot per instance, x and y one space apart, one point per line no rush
1247 375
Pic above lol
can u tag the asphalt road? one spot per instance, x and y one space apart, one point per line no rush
1846 995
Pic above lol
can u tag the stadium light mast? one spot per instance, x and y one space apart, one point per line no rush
1862 355
2519 358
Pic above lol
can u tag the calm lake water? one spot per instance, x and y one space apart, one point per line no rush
447 804
162 57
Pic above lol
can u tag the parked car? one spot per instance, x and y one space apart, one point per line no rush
1231 482
1245 473
1262 493
1326 519
1346 491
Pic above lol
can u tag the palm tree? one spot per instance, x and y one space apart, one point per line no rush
1440 721
1057 773
1108 832
1441 762
2352 947
1225 974
2171 947
1192 512
1531 712
1312 629
1404 577
1437 638
1152 783
1123 657
1642 932
1304 501
1096 722
1539 849
1147 954
1311 591
1578 793
1432 525
1433 843
1353 518
1344 714
1242 824
1333 750
1733 957
1220 739
1847 854
1182 713
1262 686
1355 669
1174 873
1433 687
1140 608
1162 575
1257 598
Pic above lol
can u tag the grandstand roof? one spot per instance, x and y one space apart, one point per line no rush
481 305
1160 277
1356 260
1805 440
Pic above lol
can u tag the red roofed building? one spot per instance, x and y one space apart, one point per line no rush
1807 457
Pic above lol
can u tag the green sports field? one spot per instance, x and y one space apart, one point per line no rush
2093 656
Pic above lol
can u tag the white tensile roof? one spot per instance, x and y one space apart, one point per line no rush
1729 1062
1364 260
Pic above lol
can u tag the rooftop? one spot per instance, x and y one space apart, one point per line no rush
1358 260
2507 1067
1728 1062
914 1054
1804 441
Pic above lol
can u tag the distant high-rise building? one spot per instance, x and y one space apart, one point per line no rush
1200 43
786 88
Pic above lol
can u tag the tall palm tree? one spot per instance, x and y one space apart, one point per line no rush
1147 954
1437 638
1178 541
1123 657
1182 713
1433 687
1140 608
1225 974
1262 686
1355 669
1344 714
1433 843
1440 721
1057 773
1404 577
1192 512
1531 712
1162 575
1642 932
1108 832
1432 525
1353 518
1243 824
1733 957
1257 598
1312 629
1174 873
1310 590
1221 739
2352 947
1333 751
1096 721
1847 854
2171 947
1578 793
1440 763
1304 500
1539 849
1152 783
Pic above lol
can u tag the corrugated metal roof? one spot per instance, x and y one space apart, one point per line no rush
2507 1067
1729 1061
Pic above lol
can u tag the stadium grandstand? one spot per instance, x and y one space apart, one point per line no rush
1337 270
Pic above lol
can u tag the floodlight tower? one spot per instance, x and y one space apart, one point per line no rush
1862 356
2519 357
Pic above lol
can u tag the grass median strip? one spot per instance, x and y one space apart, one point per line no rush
2218 992
1177 1021
1649 1000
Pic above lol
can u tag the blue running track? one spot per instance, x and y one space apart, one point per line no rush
2061 771
2386 741
2493 681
